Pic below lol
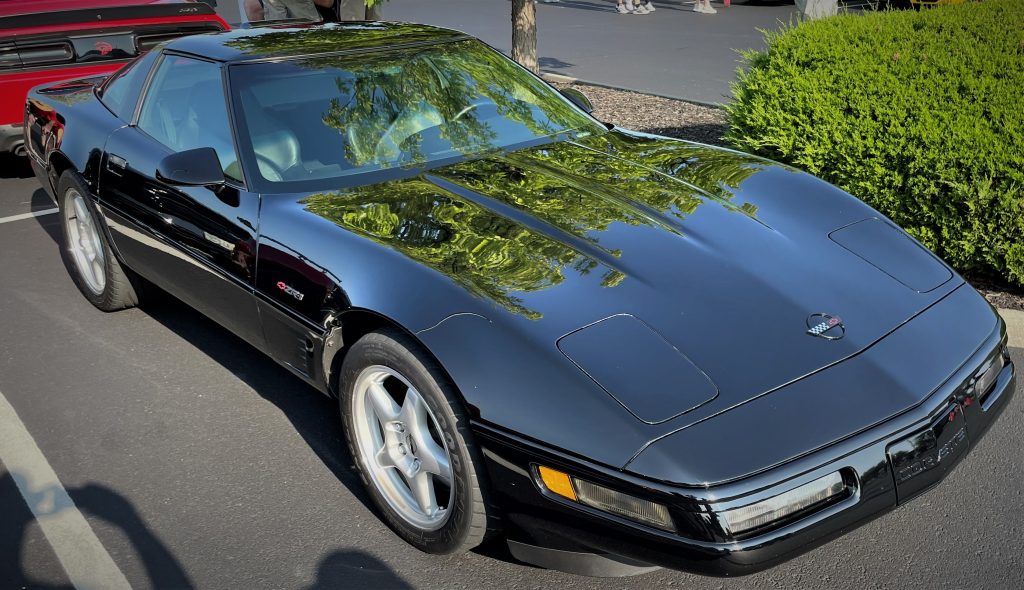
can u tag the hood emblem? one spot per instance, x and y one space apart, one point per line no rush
823 325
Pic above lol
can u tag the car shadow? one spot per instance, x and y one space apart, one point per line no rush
357 570
92 500
12 166
314 415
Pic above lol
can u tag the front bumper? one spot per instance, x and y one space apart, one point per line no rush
541 521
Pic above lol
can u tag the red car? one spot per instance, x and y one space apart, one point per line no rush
49 40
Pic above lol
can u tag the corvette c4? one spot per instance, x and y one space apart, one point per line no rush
612 349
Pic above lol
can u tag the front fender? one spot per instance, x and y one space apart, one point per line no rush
516 381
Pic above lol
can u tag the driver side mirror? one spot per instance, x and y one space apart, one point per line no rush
578 98
198 167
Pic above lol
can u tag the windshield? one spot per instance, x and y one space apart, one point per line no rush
338 116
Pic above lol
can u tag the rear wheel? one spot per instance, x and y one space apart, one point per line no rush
411 442
86 251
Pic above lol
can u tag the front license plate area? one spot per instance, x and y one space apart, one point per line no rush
922 459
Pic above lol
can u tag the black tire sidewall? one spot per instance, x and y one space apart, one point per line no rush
391 349
108 299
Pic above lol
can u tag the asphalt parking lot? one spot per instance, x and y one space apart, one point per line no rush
674 51
197 462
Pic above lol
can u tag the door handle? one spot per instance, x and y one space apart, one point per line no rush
116 163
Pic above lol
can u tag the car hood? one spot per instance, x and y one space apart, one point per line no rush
723 255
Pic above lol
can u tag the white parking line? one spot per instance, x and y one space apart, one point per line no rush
28 215
86 562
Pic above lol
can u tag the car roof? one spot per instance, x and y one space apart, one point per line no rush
287 41
18 7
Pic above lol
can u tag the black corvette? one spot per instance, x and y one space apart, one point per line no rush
616 350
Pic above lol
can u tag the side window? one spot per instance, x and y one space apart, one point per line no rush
121 93
184 109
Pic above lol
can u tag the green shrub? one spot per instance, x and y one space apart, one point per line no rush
920 114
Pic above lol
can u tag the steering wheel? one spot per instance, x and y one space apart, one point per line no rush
268 169
407 124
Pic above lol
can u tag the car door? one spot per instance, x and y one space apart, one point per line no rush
197 242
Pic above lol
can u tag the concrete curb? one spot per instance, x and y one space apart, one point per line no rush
1014 326
563 79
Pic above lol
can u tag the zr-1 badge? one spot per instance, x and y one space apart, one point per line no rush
289 290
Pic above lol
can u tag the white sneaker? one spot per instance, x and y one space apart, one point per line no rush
622 9
649 6
641 10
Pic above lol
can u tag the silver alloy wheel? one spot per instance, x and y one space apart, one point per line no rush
84 241
401 447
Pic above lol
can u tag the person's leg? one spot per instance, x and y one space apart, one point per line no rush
703 7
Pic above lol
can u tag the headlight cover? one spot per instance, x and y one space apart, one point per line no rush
737 521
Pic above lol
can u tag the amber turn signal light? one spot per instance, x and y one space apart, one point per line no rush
556 482
604 499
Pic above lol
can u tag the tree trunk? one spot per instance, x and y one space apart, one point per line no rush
375 12
524 34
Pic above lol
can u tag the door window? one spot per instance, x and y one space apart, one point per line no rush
121 93
184 109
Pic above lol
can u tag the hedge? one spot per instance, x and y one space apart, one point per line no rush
918 113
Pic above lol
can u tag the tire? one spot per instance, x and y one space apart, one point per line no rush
398 363
85 249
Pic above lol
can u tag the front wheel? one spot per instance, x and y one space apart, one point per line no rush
86 252
412 444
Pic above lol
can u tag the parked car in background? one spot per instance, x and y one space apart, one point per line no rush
50 40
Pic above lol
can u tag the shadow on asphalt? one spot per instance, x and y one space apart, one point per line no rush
12 166
93 500
41 200
314 416
355 569
585 5
553 63
49 223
